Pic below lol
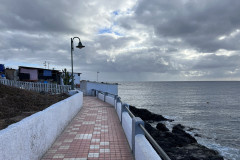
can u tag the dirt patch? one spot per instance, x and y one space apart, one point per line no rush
16 104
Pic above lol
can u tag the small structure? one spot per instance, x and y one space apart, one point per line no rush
77 79
32 74
11 74
2 71
87 87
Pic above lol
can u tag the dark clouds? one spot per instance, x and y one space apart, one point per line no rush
146 40
198 23
39 16
217 62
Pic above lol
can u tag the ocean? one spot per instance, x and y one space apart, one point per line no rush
211 110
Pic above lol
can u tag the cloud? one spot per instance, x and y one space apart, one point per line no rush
134 39
199 24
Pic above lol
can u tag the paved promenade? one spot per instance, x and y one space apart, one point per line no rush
95 133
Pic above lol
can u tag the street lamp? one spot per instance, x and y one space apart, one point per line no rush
72 48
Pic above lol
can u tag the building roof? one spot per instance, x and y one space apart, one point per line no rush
38 68
10 69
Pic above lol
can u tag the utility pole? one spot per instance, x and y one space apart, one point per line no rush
97 75
45 64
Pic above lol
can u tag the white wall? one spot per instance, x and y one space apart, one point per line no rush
119 110
110 100
87 86
127 127
143 149
76 78
30 138
101 96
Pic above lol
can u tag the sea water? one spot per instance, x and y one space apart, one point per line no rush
211 110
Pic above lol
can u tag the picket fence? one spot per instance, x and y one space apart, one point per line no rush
38 87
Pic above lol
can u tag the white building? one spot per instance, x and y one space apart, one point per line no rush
77 78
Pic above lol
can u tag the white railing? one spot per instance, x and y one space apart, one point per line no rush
38 87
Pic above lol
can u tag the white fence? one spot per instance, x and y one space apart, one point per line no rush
39 87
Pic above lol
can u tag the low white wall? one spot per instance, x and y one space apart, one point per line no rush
101 96
87 86
110 100
30 138
143 149
119 110
116 103
127 127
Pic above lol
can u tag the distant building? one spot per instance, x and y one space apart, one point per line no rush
11 74
39 75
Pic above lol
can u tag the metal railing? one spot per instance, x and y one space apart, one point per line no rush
129 112
105 93
158 149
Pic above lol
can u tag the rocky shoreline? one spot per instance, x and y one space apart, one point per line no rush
178 144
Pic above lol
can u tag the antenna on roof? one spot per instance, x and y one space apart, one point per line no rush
45 64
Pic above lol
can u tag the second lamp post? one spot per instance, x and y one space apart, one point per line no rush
72 48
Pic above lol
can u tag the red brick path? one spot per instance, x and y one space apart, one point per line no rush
95 133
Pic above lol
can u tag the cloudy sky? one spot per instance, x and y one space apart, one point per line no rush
131 40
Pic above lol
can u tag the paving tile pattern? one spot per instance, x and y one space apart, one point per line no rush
95 133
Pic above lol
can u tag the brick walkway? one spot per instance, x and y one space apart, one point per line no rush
95 133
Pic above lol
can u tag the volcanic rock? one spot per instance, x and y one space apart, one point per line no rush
180 145
146 115
162 127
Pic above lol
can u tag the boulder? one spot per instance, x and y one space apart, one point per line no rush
183 136
162 127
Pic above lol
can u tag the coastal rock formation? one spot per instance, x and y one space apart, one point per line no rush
183 136
178 144
146 115
162 127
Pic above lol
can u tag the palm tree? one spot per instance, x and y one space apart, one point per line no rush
66 77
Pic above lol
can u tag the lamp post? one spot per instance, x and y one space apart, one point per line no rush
72 48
